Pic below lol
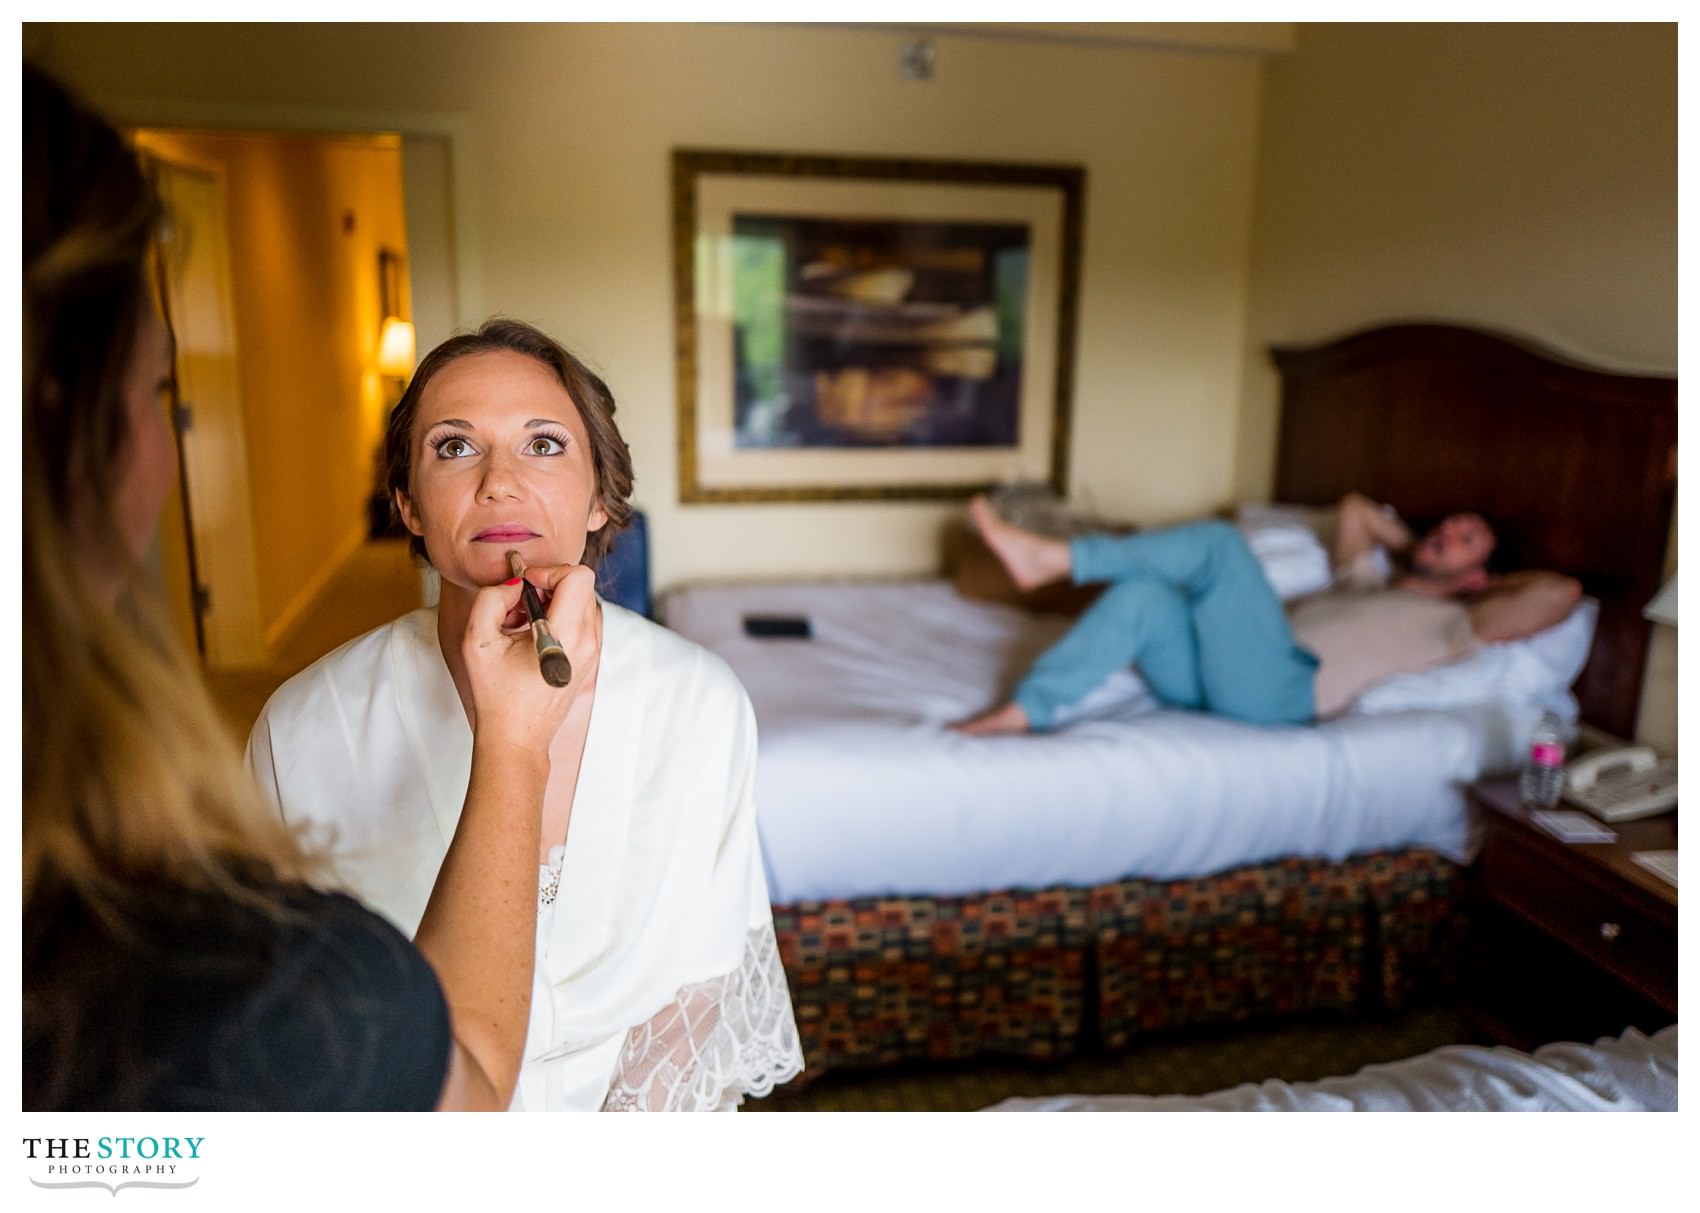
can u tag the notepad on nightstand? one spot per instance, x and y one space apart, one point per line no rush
1660 863
1572 827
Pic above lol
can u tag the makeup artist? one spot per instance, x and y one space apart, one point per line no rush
177 952
658 983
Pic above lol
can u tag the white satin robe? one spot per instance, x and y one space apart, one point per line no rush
658 981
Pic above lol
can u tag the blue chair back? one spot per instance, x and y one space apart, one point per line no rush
623 575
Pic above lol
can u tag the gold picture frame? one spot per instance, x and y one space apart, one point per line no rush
879 329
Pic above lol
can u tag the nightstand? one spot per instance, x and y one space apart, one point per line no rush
1572 941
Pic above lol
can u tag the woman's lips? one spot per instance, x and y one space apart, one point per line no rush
504 534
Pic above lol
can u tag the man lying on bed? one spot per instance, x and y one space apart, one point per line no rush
1192 608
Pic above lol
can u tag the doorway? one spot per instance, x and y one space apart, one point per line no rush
271 277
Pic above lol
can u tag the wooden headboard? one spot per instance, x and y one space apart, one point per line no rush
1574 467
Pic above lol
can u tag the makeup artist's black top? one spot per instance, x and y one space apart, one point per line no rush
200 1001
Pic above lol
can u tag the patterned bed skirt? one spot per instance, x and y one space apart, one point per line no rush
1038 973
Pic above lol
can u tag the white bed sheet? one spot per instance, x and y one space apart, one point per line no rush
1628 1073
862 791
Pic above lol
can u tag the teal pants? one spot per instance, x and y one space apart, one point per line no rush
1191 608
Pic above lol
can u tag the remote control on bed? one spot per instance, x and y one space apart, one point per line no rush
770 626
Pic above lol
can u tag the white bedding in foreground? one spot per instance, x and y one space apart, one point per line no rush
862 791
1628 1073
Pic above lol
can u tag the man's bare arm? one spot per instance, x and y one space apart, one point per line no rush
1361 525
1520 604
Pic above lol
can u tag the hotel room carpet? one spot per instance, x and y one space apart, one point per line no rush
1189 1063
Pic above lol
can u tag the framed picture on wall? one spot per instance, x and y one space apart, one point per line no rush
863 328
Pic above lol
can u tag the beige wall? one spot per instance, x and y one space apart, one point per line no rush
307 216
568 128
1521 177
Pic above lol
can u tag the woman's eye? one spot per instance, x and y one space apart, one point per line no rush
453 448
544 445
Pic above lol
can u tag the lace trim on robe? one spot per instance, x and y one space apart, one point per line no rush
549 878
716 1042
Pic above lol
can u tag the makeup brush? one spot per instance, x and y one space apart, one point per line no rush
551 657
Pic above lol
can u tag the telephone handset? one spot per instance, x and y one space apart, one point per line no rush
1622 784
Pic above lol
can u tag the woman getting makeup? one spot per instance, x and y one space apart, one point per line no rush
178 950
657 981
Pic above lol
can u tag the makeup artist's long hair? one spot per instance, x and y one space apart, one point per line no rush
130 776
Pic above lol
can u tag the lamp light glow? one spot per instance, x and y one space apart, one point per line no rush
396 348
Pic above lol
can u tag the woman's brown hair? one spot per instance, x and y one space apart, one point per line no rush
130 774
610 457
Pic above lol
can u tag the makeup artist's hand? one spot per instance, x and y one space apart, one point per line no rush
568 592
510 701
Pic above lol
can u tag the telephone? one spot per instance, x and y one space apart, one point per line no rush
1621 784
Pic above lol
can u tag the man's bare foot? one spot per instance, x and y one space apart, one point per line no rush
1010 718
1030 560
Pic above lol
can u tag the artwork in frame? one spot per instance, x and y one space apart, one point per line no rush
851 327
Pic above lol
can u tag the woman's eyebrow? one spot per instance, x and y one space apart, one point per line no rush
461 423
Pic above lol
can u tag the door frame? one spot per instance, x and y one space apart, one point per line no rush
453 260
456 130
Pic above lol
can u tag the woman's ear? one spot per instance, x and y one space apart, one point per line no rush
409 515
598 516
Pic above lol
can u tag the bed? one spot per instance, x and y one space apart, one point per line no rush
938 896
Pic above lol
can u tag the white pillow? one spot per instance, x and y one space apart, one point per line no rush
1535 670
1286 539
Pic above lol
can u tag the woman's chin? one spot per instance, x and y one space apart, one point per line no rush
474 574
477 569
481 564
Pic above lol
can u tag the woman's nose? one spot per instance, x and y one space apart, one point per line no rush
501 479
